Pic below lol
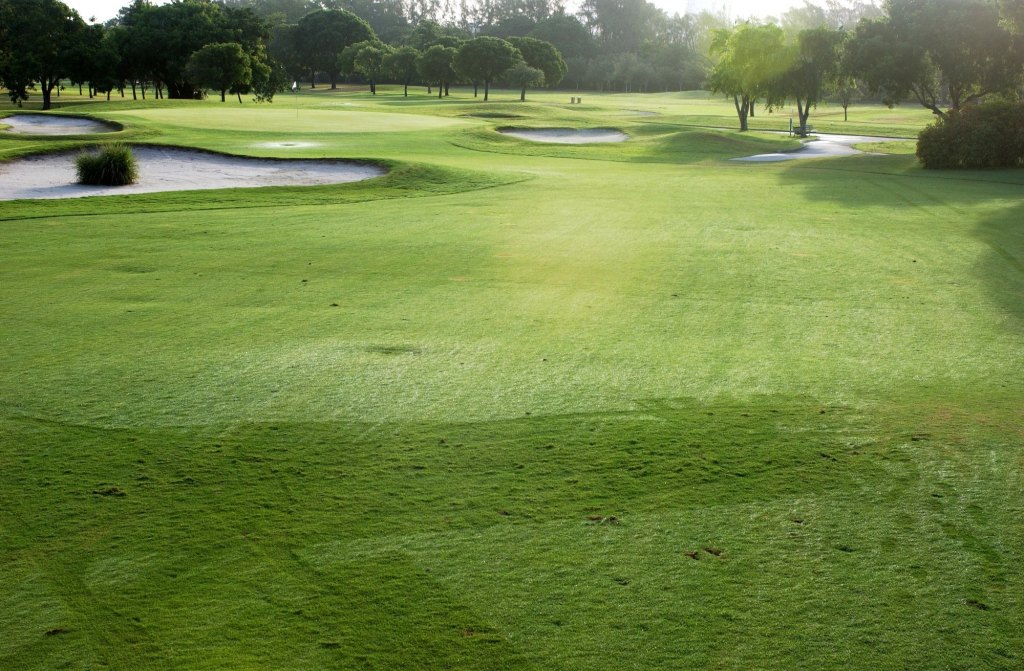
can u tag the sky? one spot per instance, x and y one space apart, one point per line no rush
102 10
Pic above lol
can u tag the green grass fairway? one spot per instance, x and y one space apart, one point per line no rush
514 406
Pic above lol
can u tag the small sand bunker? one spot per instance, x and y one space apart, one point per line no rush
824 145
567 135
165 169
287 145
41 124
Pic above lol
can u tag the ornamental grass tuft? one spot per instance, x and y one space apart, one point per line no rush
113 165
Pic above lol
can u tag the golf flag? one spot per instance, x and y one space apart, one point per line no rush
295 86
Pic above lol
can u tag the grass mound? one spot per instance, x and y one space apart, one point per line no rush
113 165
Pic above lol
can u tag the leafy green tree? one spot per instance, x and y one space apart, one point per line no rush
168 35
40 41
813 73
284 48
939 52
542 56
221 67
436 65
622 25
401 63
567 34
485 59
750 60
369 61
324 34
521 75
87 62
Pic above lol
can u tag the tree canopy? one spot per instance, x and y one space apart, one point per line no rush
935 51
220 66
40 46
484 59
323 34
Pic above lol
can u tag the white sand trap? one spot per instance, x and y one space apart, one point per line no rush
824 146
40 124
286 145
163 169
567 135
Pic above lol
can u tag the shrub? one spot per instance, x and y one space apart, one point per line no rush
990 135
113 165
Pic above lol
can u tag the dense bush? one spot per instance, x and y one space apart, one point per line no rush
979 136
113 165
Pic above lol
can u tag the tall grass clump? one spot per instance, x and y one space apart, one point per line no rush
113 165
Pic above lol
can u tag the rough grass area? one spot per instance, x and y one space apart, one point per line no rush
515 406
112 165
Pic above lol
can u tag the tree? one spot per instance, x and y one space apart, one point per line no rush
622 25
435 65
939 52
567 34
221 67
813 72
522 75
750 59
167 35
368 61
485 59
324 34
40 40
542 56
401 63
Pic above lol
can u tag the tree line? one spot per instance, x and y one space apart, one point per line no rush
944 54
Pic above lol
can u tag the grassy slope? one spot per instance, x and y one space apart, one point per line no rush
371 430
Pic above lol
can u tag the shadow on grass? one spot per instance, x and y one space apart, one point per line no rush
946 200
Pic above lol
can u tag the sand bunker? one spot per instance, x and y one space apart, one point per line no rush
824 145
567 135
164 169
287 145
39 124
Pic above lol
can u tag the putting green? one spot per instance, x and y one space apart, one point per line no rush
281 118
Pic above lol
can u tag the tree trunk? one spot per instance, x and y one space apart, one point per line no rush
845 116
134 96
406 93
239 94
222 92
803 111
440 89
47 86
741 110
108 95
474 89
487 88
522 95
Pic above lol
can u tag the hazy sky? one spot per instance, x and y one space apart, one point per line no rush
107 9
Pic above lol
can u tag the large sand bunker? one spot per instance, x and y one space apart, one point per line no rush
566 135
823 146
39 124
166 169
